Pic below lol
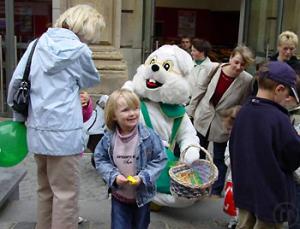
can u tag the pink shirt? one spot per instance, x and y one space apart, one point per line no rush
87 112
124 154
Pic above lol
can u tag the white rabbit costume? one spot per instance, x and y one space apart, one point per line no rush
163 80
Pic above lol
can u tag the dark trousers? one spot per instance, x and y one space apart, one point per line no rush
218 158
294 220
129 216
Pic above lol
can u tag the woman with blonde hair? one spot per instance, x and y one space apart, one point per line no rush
286 46
224 88
61 66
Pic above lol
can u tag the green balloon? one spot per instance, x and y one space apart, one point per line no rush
13 143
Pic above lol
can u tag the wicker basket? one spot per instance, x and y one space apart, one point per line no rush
193 181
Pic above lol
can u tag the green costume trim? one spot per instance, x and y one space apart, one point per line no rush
163 182
177 114
172 110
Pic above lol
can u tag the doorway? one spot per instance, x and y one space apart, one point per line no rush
213 20
21 21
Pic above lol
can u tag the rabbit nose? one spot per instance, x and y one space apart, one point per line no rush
155 67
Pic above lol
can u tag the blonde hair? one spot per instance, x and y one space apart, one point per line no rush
131 99
245 52
85 21
288 37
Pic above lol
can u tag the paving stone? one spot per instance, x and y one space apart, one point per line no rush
25 225
7 225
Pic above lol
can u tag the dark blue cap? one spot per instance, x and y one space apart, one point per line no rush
282 73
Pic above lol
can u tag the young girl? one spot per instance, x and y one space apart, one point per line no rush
87 110
87 105
130 158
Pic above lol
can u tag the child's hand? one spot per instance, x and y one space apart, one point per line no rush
84 98
138 180
121 180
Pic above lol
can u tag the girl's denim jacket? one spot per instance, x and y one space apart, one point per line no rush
151 159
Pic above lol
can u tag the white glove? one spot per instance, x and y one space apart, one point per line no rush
191 155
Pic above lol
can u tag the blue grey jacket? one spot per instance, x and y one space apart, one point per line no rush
150 156
61 66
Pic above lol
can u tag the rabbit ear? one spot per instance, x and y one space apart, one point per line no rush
184 60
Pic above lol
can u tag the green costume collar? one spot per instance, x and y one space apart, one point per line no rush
172 110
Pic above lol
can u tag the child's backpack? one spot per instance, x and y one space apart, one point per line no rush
95 125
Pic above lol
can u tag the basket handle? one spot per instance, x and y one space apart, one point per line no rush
199 147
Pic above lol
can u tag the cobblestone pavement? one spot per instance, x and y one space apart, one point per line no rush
91 185
95 208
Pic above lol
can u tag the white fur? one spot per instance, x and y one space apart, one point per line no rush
175 89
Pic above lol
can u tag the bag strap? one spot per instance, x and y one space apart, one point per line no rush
175 127
211 74
94 121
28 64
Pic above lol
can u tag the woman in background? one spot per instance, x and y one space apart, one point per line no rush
226 87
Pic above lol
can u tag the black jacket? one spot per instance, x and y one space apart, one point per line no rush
293 61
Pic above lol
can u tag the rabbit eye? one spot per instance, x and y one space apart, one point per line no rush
167 65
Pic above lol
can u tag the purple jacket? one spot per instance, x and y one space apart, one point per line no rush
87 111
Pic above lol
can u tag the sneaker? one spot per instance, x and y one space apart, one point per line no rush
155 207
232 223
80 220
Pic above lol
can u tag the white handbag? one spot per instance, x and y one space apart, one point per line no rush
96 124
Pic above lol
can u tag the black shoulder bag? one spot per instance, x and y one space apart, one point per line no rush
22 95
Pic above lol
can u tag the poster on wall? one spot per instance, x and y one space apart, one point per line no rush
186 23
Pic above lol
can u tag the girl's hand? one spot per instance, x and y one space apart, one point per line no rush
84 98
138 180
121 180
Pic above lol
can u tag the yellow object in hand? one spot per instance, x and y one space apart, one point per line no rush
132 180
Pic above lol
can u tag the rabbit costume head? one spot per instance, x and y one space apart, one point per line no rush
163 76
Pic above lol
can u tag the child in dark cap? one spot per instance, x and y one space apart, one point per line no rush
265 150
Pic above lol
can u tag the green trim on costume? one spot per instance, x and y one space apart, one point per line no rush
163 181
178 115
146 114
172 110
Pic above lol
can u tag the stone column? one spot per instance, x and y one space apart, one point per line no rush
107 56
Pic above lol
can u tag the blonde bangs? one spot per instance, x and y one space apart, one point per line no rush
288 37
245 52
131 99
